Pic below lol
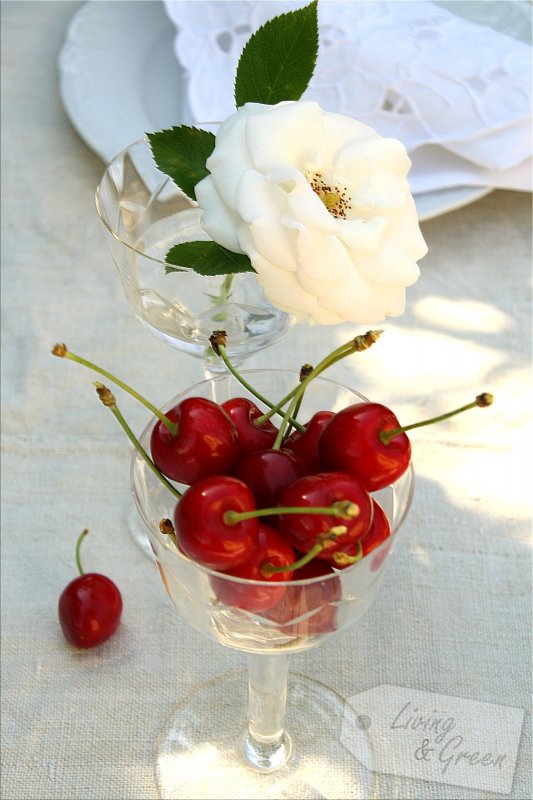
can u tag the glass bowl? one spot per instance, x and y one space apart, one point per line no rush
144 214
243 748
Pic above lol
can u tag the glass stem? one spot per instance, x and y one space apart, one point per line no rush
212 365
266 744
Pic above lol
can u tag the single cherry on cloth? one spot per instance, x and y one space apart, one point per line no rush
270 548
201 532
350 442
309 609
267 472
204 444
305 444
244 414
90 606
323 490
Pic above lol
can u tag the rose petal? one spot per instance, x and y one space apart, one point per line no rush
390 266
322 260
279 246
287 133
307 209
380 192
362 235
229 159
339 129
404 232
361 158
360 302
219 221
283 290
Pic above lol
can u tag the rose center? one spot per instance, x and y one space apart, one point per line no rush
334 197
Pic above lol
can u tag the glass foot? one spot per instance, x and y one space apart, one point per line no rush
200 752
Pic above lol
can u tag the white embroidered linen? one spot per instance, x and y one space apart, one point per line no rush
457 94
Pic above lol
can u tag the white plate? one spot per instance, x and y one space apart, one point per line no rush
119 78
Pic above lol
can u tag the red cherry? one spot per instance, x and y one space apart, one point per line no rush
305 444
244 413
201 532
380 530
89 607
205 443
324 489
379 559
319 597
350 442
270 548
267 472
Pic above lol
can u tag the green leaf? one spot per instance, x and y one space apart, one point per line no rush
207 258
278 60
181 152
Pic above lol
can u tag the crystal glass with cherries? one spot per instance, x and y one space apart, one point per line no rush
272 501
268 544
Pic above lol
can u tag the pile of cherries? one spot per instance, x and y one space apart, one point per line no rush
270 505
256 511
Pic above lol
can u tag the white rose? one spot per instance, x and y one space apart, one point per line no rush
320 204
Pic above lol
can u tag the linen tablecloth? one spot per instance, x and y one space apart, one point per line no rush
453 614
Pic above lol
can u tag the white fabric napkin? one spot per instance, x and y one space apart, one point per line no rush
457 94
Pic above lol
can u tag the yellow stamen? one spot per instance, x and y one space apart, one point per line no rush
334 197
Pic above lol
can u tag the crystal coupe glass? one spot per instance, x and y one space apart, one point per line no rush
144 214
273 738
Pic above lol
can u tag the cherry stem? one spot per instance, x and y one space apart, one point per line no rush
81 537
342 509
291 412
305 370
222 352
355 345
108 399
61 351
343 559
167 529
482 401
268 569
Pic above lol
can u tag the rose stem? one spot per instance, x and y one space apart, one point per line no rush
268 569
81 537
355 345
482 401
218 343
343 509
108 399
61 351
222 298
